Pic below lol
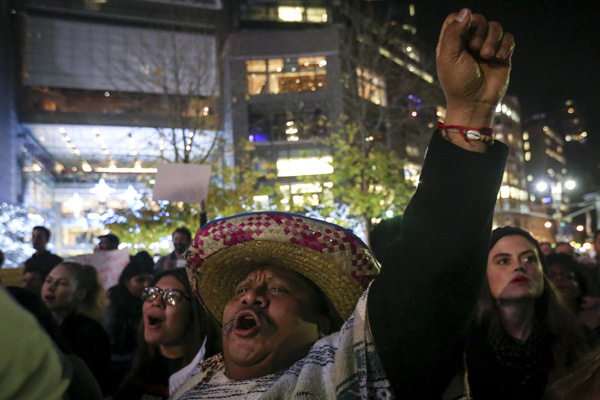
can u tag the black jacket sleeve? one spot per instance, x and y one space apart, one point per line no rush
428 286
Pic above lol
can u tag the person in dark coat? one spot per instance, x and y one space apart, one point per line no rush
42 258
124 312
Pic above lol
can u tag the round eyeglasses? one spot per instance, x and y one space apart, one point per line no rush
170 296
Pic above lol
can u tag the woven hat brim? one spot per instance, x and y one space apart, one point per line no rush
217 277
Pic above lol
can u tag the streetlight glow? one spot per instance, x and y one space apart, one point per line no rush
570 184
580 228
548 224
541 186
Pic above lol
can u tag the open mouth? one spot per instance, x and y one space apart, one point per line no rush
154 322
520 280
246 324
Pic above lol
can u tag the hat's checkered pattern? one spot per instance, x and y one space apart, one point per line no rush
333 242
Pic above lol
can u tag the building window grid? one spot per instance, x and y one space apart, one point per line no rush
289 75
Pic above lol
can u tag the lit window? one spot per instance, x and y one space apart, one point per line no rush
286 75
371 87
316 14
291 14
302 14
304 166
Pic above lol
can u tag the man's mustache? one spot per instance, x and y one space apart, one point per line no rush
267 326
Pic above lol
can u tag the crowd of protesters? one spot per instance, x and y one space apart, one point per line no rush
276 305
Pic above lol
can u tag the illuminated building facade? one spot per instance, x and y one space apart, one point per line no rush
100 87
292 68
514 206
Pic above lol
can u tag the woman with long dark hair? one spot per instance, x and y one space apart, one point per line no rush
523 336
173 330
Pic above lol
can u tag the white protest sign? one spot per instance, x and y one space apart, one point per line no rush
182 182
109 263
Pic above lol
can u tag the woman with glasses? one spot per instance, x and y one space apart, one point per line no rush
173 330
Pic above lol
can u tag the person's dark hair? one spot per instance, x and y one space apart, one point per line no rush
44 230
201 326
112 239
144 258
1 258
94 302
572 340
36 268
140 264
571 264
183 231
36 306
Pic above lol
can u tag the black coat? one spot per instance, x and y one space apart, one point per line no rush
88 340
429 283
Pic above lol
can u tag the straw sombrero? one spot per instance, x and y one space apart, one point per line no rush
226 250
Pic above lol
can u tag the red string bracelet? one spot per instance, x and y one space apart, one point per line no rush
469 133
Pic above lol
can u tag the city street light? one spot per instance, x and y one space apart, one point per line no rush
570 184
541 186
552 190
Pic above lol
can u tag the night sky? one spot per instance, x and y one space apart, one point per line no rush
557 54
